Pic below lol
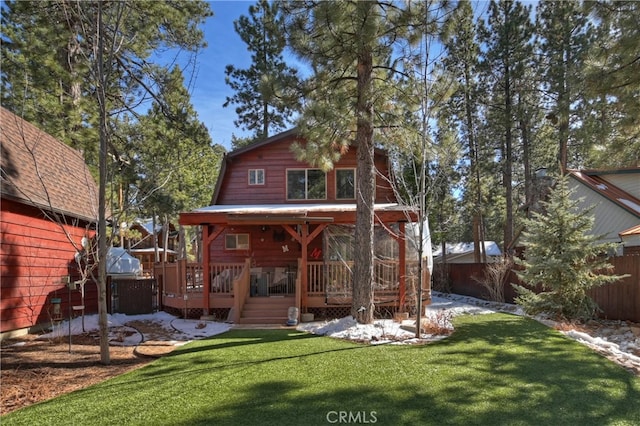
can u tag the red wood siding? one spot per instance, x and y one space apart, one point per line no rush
275 159
35 255
266 247
272 247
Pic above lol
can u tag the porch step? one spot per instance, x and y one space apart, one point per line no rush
266 310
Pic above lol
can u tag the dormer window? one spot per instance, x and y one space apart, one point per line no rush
256 176
306 184
345 184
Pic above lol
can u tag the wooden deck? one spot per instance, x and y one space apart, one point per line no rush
234 285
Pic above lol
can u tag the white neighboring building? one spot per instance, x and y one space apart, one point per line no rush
463 252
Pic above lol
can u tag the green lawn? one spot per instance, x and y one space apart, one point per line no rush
495 369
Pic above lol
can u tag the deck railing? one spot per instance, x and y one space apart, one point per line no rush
241 289
179 277
183 277
325 279
336 277
223 275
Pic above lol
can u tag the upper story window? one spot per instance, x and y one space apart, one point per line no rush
236 242
306 184
256 176
345 184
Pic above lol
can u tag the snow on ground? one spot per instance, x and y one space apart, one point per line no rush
123 331
441 310
619 341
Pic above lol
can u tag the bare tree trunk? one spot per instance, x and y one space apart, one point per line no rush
102 222
507 171
362 308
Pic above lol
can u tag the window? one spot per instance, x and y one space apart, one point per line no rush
345 184
236 242
306 184
256 176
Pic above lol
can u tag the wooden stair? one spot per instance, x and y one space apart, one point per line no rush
266 310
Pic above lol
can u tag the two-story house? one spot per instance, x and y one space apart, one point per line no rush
279 233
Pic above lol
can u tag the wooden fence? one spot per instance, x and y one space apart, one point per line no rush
619 301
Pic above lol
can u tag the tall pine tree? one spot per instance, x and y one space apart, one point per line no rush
613 84
461 61
508 38
263 92
562 29
349 46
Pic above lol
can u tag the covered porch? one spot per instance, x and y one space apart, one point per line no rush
233 284
258 284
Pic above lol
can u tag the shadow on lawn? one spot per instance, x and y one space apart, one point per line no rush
500 370
495 369
532 373
208 355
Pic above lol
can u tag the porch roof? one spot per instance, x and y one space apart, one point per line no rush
292 214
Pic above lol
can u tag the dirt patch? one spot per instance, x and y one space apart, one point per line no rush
34 370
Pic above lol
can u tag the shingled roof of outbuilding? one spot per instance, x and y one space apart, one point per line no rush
41 171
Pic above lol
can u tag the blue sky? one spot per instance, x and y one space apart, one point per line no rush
208 90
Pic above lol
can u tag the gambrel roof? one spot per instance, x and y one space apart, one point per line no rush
40 171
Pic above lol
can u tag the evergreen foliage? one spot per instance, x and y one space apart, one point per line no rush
507 34
49 60
612 83
263 92
356 96
176 161
562 258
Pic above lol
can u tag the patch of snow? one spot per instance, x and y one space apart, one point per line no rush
441 310
121 334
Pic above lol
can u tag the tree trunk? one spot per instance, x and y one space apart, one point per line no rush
507 171
105 357
362 308
473 168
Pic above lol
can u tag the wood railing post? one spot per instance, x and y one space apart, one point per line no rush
241 290
299 285
402 267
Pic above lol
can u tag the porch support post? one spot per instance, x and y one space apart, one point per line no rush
207 237
304 242
206 279
304 238
402 265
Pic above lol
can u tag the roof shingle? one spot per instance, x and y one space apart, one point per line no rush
39 170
